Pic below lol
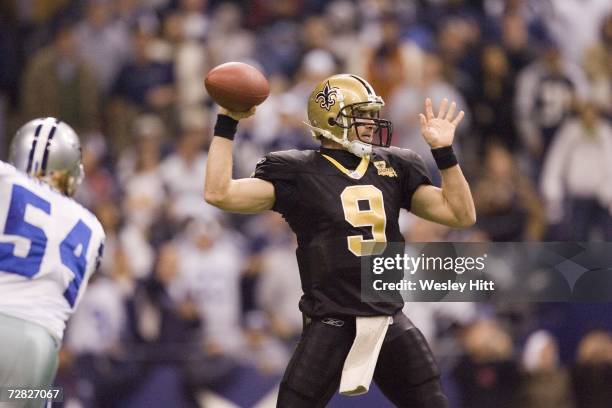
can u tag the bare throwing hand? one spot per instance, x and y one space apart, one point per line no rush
237 115
439 131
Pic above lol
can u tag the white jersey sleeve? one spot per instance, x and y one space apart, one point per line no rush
49 247
6 168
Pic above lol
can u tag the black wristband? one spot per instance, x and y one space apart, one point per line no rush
225 127
444 157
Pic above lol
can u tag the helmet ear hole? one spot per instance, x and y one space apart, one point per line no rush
331 121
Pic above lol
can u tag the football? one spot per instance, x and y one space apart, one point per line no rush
237 86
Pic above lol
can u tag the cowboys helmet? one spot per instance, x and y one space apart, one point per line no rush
344 102
44 146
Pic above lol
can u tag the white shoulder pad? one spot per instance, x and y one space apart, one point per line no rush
6 169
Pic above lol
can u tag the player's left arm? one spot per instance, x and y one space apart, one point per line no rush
452 204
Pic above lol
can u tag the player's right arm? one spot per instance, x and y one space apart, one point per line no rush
247 195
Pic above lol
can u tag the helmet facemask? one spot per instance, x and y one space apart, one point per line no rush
364 118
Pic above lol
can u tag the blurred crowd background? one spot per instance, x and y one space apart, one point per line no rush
192 305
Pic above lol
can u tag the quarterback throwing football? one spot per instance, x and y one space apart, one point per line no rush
343 202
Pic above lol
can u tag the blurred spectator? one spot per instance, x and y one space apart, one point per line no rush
315 33
143 204
317 64
457 44
184 170
195 22
268 124
103 42
38 11
341 18
156 4
226 28
143 84
130 12
156 317
57 83
598 67
546 90
210 271
168 329
186 29
270 294
416 229
506 202
136 240
114 256
147 132
487 375
493 117
546 384
584 30
592 374
515 41
262 12
278 288
291 133
145 182
578 170
99 184
278 48
144 81
595 348
408 101
100 323
9 65
265 123
385 65
433 318
529 11
98 339
190 62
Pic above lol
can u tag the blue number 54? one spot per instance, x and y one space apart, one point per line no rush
73 249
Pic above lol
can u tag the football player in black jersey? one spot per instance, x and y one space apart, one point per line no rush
343 202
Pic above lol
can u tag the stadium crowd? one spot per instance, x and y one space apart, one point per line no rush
211 297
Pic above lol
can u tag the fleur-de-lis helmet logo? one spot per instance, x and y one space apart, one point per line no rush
327 96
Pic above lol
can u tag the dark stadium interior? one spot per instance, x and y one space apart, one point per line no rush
192 305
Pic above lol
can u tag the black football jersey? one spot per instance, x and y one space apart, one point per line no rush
340 214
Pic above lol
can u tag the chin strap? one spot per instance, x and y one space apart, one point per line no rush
357 147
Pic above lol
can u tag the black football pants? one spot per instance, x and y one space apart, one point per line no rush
406 371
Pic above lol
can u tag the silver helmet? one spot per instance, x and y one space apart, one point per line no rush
47 145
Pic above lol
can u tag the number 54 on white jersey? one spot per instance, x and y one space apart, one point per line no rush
49 247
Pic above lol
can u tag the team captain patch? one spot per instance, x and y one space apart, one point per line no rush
383 170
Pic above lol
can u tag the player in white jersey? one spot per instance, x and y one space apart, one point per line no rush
49 247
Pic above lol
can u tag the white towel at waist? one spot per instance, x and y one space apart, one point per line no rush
361 360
